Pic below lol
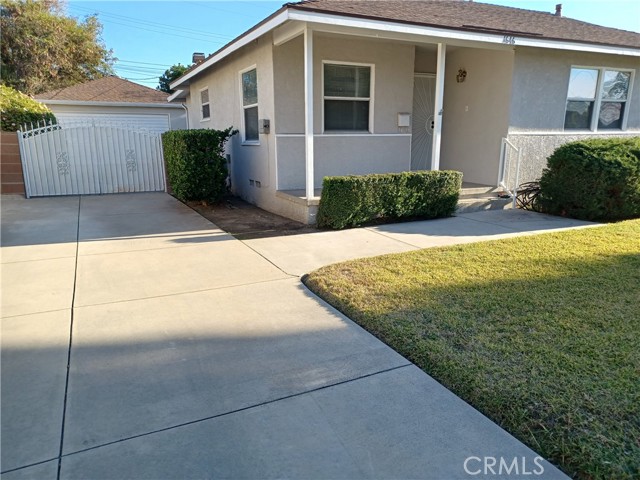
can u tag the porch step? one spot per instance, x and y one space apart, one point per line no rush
475 189
468 203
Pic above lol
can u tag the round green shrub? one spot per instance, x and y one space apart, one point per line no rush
196 166
18 109
595 179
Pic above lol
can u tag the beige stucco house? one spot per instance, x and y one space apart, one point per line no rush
336 87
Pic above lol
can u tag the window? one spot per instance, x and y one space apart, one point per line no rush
347 97
597 99
204 104
250 105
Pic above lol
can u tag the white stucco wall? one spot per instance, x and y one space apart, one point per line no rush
476 112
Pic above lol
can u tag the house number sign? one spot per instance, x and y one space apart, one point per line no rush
509 40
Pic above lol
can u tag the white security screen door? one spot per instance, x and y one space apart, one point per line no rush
424 89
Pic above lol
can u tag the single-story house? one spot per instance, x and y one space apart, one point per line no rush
115 100
337 87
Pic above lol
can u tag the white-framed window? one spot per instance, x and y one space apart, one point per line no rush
249 86
205 108
597 98
347 97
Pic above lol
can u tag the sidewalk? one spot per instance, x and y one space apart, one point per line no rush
195 355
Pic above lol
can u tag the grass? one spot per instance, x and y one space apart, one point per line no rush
540 333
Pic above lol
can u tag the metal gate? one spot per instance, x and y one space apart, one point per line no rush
85 158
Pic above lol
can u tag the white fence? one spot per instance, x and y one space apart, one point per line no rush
85 158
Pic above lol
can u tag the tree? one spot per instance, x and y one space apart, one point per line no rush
42 49
169 76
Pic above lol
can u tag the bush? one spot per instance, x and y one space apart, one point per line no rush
196 166
595 179
355 200
17 109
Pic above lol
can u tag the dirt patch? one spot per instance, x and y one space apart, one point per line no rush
245 221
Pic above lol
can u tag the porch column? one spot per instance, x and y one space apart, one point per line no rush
437 124
308 111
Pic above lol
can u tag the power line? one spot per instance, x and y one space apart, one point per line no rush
150 23
200 4
144 63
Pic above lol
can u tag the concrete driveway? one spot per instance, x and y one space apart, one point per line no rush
140 341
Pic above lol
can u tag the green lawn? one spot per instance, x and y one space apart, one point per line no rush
540 333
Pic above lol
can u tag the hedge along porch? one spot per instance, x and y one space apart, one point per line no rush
349 88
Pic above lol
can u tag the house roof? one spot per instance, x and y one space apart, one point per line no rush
473 16
456 15
106 89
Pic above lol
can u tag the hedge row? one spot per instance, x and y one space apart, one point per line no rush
18 109
196 166
355 200
595 179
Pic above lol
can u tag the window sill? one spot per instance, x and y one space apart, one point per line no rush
205 119
250 143
347 132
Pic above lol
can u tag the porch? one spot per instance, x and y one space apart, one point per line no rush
474 197
425 105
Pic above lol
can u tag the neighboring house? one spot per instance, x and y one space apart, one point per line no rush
114 100
327 87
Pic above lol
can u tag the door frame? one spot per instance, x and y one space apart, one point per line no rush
422 75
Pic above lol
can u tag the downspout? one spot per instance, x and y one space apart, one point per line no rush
186 112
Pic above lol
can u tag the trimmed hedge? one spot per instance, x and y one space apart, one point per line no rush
359 199
196 166
595 179
18 109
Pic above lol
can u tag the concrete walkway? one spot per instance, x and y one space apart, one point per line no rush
191 354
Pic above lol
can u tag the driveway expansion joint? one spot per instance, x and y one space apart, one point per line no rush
66 385
231 412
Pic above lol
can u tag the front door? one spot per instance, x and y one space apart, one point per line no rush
424 89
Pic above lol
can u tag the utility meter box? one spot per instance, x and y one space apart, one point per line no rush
264 125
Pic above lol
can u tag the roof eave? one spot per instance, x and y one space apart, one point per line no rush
272 21
107 104
299 13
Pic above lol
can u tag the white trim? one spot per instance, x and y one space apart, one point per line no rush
438 110
337 134
449 34
308 113
177 94
108 104
287 32
597 101
202 117
269 24
571 133
286 14
243 107
369 99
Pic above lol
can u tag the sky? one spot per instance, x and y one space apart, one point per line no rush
147 37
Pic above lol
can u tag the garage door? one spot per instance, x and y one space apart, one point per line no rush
89 158
157 123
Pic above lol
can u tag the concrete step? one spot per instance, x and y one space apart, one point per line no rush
477 189
477 203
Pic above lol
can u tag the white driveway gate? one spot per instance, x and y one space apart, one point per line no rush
85 158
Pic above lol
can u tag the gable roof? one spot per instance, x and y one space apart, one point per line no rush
478 17
106 89
462 17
